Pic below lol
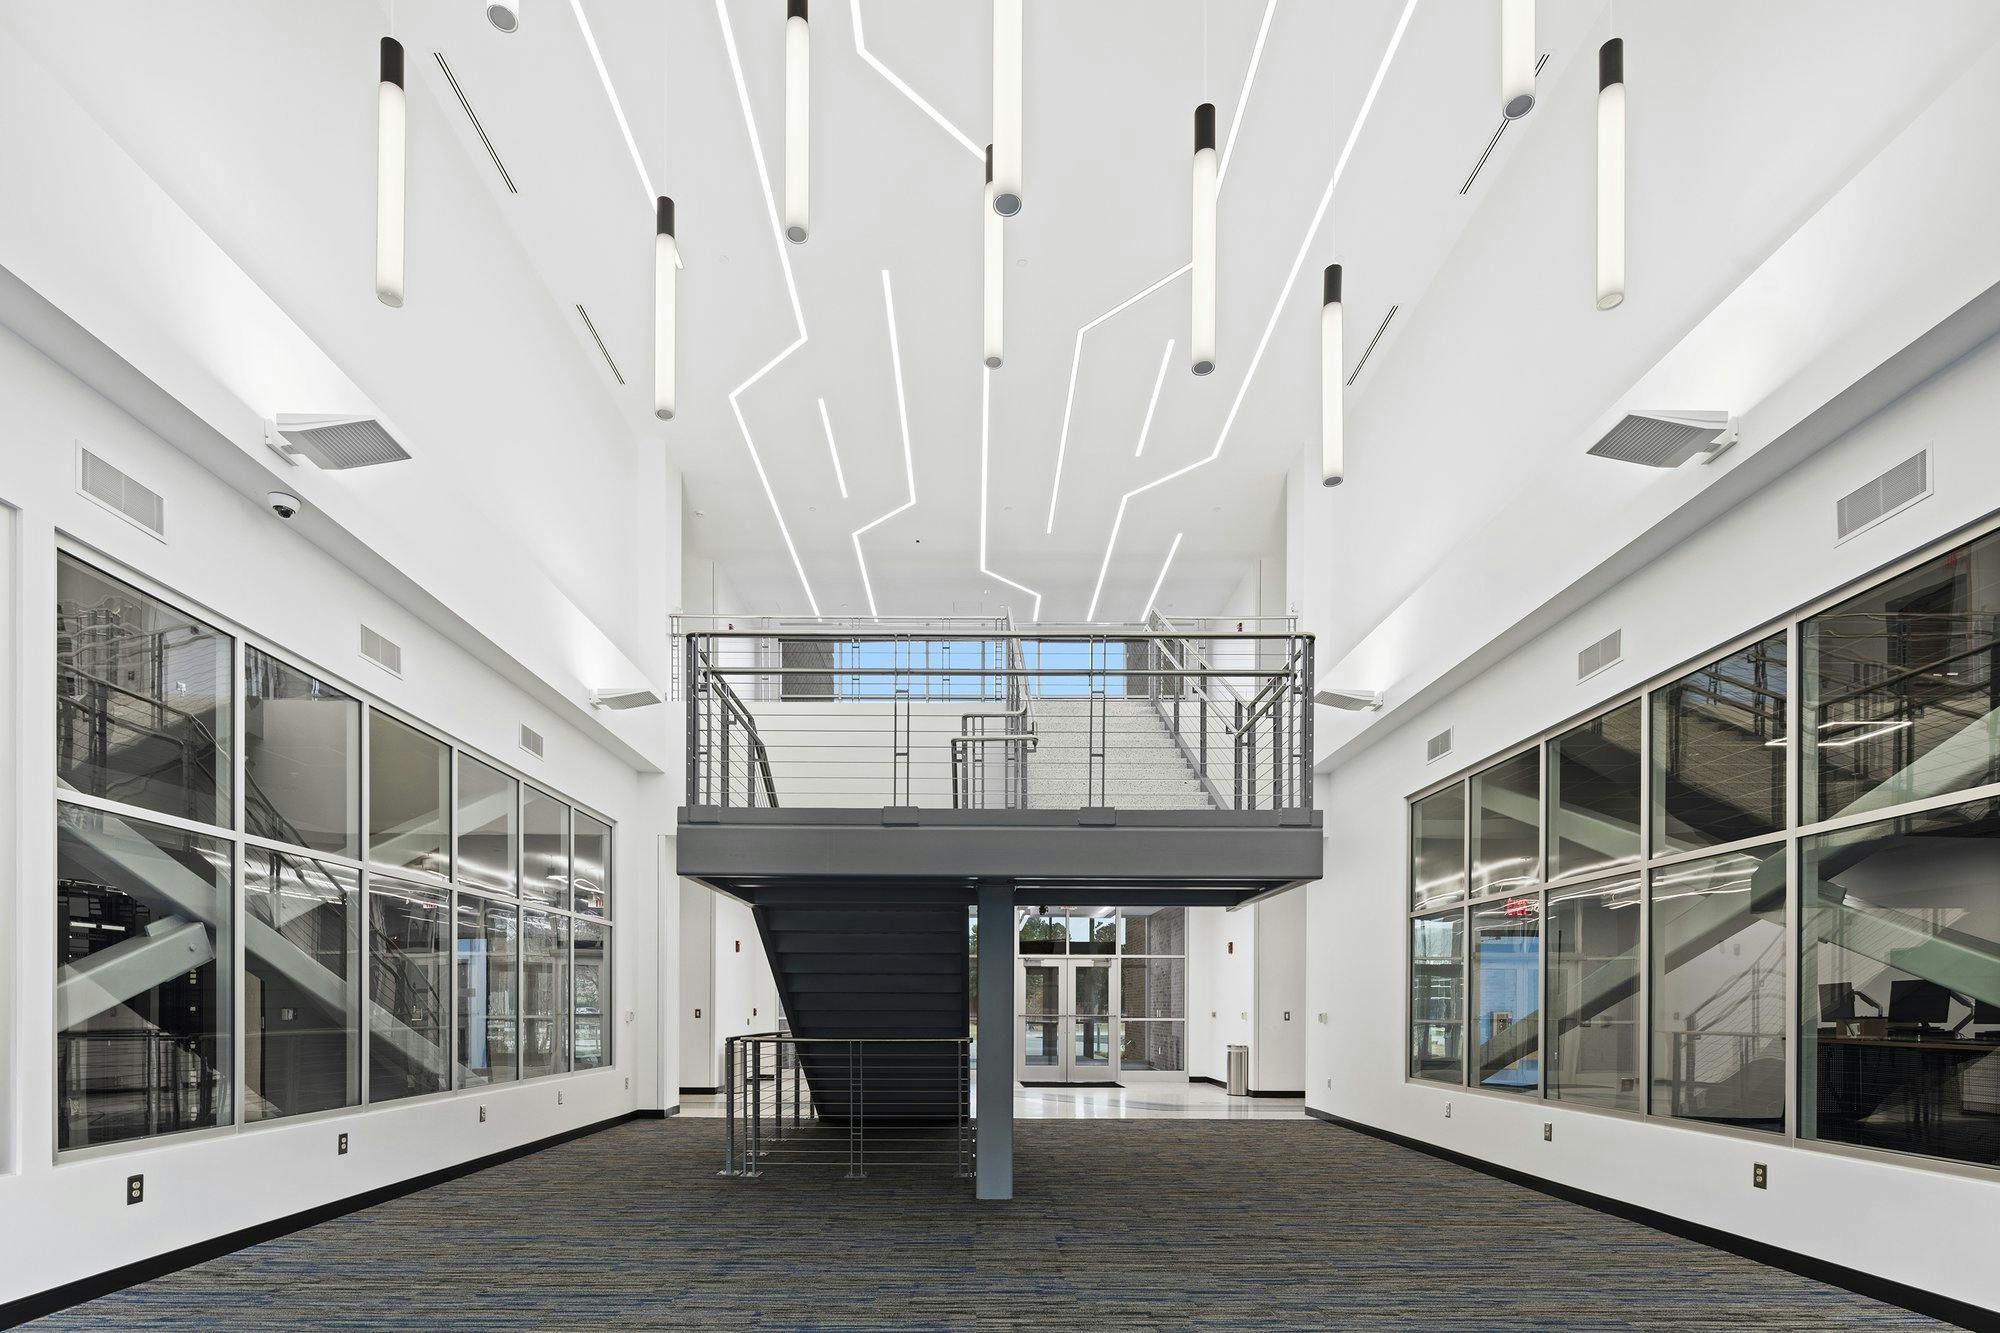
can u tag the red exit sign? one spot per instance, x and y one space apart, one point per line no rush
1519 907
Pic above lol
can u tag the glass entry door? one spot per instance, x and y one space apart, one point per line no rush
1068 1020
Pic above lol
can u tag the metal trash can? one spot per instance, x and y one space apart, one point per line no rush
1239 1071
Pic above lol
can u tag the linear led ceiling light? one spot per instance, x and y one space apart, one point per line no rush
1611 174
504 14
1332 444
1006 107
666 263
1517 58
391 154
1203 231
798 119
996 270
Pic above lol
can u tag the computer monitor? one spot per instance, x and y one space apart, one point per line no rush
1836 1001
1918 1001
1985 1012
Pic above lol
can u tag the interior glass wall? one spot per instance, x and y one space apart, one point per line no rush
1437 998
590 1002
1594 1019
301 984
1506 994
1437 847
301 758
1594 794
409 983
1507 824
487 985
545 993
1149 945
544 849
1720 752
486 820
409 798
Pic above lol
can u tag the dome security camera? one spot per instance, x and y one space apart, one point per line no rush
284 504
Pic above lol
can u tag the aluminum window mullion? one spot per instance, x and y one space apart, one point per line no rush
237 981
1794 920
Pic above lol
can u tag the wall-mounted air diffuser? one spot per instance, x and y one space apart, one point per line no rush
1667 439
333 443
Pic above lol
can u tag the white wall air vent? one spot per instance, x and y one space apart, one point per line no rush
1891 493
382 651
119 493
1438 746
531 740
334 444
1600 655
1666 439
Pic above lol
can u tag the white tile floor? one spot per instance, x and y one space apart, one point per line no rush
1139 1099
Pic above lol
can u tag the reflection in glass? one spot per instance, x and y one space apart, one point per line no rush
1506 824
1437 847
1093 932
1593 962
591 996
1594 793
486 798
1899 980
1437 998
409 988
1153 930
544 994
142 1013
142 699
1152 988
590 863
1044 932
1156 1046
486 1028
1506 994
1718 989
1042 1031
301 758
1719 751
1900 685
301 985
544 848
1092 1018
409 797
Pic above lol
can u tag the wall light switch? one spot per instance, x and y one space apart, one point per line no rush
1447 1110
340 1149
628 1083
1288 1015
482 1115
135 1190
697 1013
1548 1132
1322 1018
1329 1083
559 1100
1760 1177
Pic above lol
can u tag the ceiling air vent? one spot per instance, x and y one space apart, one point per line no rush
1891 493
1600 655
531 740
120 494
382 651
1438 746
1666 439
334 443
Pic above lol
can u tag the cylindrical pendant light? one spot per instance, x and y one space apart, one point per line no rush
1611 173
666 264
996 272
391 152
798 119
1006 107
1332 435
1202 341
1517 58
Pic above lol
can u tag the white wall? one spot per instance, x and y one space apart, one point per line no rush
1752 564
727 976
1246 971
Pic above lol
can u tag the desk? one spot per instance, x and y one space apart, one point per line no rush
1858 1075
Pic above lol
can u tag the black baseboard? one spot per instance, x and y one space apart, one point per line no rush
1963 1313
145 1270
1203 1078
700 1092
1216 1082
657 1112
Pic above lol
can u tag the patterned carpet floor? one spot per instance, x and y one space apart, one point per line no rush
1116 1224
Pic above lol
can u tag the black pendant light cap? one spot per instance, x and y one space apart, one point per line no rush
1330 292
1204 126
392 61
665 217
989 164
1610 63
795 9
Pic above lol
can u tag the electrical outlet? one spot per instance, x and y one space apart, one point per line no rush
1329 1083
628 1083
1760 1177
482 1115
1288 1015
1447 1110
559 1100
1548 1132
135 1190
341 1151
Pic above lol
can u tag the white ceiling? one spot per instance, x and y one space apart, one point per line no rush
1744 119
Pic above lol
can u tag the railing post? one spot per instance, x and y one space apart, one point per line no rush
688 686
725 756
796 1062
1304 685
729 1106
756 1095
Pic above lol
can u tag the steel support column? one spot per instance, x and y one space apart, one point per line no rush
996 1042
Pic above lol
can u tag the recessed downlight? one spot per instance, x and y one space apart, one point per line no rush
504 14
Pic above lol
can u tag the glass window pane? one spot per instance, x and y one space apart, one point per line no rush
486 953
143 1014
1154 930
1506 826
590 865
1594 793
1718 989
301 758
1437 998
409 984
592 998
1153 988
1154 1047
1593 941
1900 687
409 797
1899 980
1506 994
1719 751
486 799
1093 932
545 994
1437 847
301 985
142 699
544 849
1044 931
